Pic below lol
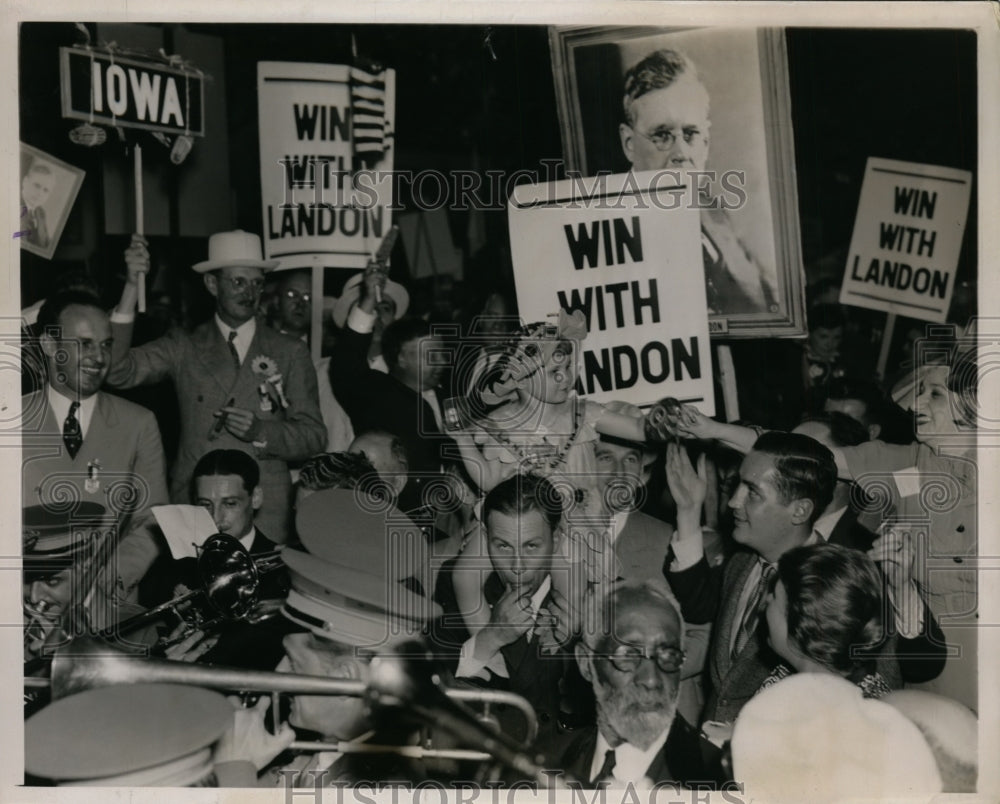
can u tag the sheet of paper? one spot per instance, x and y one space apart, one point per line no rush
185 527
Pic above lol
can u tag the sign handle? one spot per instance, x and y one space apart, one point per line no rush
316 327
727 377
883 355
139 229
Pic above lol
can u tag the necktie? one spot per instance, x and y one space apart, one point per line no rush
232 348
755 604
605 774
72 434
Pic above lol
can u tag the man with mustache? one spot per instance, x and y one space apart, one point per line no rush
239 385
632 652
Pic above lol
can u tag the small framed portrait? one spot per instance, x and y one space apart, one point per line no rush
48 190
713 102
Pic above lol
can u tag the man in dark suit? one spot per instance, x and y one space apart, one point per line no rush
239 385
631 653
520 649
402 402
81 445
226 482
786 481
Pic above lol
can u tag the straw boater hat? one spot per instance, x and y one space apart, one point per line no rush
352 292
233 250
142 735
61 533
362 581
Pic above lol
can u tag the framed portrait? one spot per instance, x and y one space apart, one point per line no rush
48 190
714 102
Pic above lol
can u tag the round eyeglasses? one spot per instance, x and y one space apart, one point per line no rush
295 296
240 283
627 658
664 139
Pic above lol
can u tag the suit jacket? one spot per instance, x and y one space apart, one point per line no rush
124 440
685 759
714 592
642 546
848 532
206 378
552 684
377 401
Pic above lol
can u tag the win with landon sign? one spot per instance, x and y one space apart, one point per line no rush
626 251
907 238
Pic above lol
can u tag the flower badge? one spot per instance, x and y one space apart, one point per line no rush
266 368
92 484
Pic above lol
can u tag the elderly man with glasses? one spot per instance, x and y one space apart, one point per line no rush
240 385
632 652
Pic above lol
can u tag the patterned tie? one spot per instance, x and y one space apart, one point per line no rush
606 773
72 434
232 348
755 605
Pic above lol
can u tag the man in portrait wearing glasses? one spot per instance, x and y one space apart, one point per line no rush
239 385
667 128
631 652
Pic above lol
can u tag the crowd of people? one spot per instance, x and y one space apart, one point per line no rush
639 580
675 600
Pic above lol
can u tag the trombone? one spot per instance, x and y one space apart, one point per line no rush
230 580
396 680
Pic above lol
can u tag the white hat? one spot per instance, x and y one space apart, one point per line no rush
148 735
814 737
232 250
352 292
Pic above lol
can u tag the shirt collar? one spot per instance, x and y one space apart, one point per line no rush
60 404
827 522
244 332
247 540
631 763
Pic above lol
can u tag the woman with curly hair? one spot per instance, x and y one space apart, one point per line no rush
825 616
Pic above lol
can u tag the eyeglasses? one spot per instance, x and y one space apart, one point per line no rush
241 283
294 295
627 658
664 139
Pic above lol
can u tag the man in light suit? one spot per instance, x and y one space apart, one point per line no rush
84 445
631 653
239 385
786 481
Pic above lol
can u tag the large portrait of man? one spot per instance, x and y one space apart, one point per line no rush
714 103
48 190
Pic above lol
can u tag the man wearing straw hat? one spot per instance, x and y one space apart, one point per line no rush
239 385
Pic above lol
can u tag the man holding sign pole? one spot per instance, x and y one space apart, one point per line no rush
240 385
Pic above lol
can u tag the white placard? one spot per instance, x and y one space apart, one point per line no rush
319 210
907 237
626 250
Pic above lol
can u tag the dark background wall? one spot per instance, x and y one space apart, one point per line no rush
483 98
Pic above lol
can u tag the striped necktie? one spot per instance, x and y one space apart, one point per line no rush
755 606
232 348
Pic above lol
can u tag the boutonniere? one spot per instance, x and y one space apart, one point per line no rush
265 367
93 482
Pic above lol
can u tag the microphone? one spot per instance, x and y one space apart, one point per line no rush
406 679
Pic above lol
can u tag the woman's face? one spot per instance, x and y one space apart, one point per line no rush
935 408
553 382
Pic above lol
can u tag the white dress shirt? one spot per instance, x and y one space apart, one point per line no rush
631 763
244 335
60 405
